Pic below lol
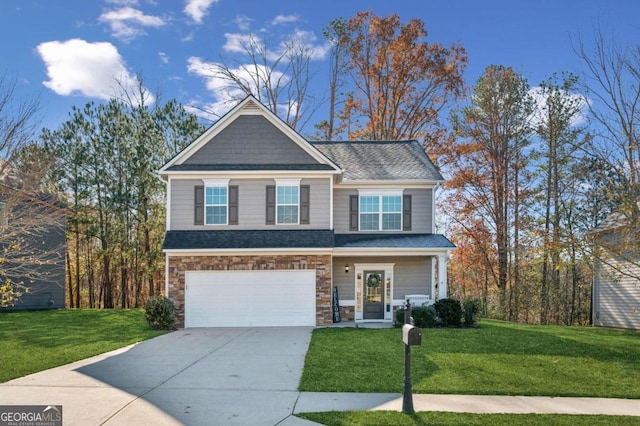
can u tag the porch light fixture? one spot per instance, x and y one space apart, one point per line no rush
175 271
346 268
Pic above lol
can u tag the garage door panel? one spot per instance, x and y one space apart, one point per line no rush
250 298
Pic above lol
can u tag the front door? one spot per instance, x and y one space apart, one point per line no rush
373 295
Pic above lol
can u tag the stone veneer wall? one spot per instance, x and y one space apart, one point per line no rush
322 265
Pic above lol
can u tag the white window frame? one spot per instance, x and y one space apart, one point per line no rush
216 183
379 194
288 183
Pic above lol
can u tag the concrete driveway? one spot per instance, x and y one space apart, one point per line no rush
226 376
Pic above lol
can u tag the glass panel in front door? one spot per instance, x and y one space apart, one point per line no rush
373 295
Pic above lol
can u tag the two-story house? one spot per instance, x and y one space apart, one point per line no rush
262 225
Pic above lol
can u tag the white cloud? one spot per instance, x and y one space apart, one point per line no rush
581 102
226 93
77 67
237 43
197 9
243 22
285 19
127 23
164 58
307 40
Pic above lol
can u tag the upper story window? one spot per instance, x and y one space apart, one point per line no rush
216 201
381 213
287 201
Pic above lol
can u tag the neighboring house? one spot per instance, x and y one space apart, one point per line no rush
32 242
263 225
616 275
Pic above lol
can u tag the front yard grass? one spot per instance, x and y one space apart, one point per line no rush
37 340
384 418
498 358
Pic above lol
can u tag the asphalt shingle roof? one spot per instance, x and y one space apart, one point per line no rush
203 239
307 238
393 241
404 160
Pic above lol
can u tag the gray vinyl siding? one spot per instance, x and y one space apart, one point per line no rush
47 292
616 296
250 138
251 204
421 214
412 275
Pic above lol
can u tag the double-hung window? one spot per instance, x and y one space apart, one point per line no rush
216 201
380 211
287 201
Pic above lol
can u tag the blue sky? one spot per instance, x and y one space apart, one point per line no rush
69 52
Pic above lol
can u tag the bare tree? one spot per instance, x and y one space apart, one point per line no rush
612 81
277 78
31 222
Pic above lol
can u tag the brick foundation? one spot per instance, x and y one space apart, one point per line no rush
322 265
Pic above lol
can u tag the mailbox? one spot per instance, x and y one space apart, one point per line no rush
411 335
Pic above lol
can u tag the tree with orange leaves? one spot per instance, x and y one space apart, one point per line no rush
401 82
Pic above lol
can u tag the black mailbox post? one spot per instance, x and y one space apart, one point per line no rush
411 336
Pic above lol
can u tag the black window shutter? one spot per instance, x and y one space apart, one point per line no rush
406 212
199 205
233 204
304 204
353 212
271 205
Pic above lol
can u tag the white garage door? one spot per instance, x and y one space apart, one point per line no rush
250 298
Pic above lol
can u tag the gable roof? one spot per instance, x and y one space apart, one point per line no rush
386 161
276 144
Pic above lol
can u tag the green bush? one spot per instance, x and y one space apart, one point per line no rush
423 316
160 312
471 308
449 311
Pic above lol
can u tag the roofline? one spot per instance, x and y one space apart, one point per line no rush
337 252
199 174
231 115
391 251
190 174
240 251
359 183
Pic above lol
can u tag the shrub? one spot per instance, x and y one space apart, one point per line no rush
449 311
160 312
423 316
471 308
399 316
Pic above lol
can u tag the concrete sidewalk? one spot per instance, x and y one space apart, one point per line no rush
482 404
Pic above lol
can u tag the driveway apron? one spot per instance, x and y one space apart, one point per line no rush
213 376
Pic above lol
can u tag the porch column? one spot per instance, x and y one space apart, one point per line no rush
442 276
433 279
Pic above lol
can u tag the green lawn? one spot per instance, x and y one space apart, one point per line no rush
384 418
499 358
38 340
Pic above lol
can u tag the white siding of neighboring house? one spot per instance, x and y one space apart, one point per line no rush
616 296
421 215
251 204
